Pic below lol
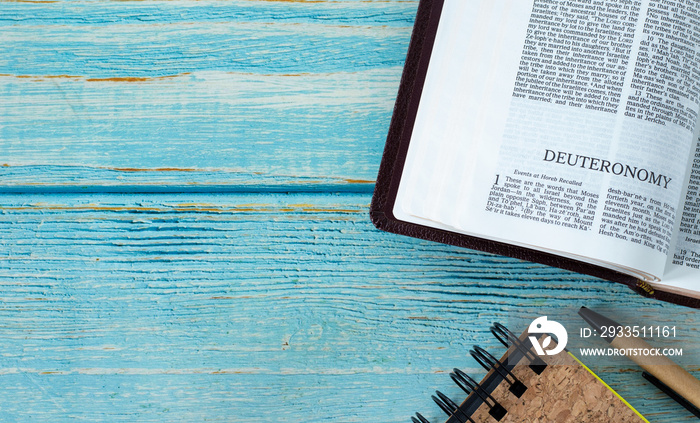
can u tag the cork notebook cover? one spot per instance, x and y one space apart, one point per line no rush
565 391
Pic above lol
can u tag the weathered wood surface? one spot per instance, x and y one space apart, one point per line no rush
254 307
184 232
264 87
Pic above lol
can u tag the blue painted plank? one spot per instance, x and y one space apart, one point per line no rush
79 12
259 307
97 180
274 88
134 51
315 125
156 38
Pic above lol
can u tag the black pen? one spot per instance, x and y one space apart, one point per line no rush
667 375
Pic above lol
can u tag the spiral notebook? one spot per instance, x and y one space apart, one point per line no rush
525 387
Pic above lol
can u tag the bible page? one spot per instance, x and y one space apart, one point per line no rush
557 125
682 274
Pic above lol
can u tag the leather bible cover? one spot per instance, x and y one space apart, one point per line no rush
398 138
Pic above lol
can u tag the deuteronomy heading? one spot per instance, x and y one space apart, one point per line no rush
602 165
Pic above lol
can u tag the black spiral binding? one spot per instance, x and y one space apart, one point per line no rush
508 338
482 391
469 385
419 419
488 362
452 409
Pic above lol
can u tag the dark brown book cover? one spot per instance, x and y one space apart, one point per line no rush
398 139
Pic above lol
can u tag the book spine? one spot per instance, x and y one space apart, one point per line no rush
647 290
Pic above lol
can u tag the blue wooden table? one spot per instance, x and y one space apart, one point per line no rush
184 229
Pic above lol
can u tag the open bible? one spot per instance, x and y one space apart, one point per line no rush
559 131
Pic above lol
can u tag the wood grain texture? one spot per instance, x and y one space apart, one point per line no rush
184 233
276 88
256 307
